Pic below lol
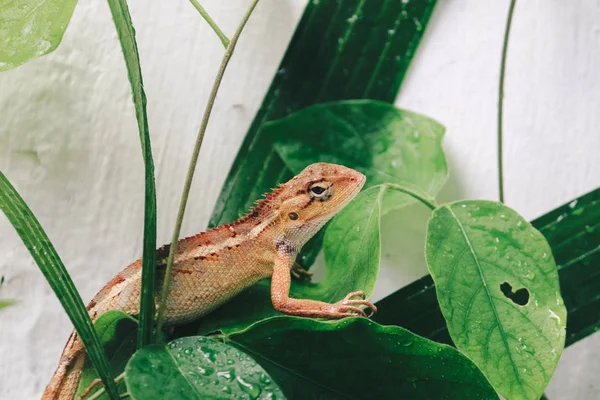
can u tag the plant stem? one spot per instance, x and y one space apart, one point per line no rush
421 197
100 391
501 99
194 161
211 22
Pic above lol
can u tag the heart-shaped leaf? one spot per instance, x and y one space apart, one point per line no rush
197 367
340 50
358 359
31 28
387 144
497 285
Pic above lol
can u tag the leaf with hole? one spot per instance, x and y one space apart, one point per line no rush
573 234
32 28
197 367
497 285
359 359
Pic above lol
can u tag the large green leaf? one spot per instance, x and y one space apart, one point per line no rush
379 41
197 367
126 33
355 358
118 334
573 234
31 28
497 285
387 144
340 50
41 249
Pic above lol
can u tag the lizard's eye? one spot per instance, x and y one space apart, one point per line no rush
320 191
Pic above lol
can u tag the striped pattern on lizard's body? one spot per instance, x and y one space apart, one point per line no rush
212 267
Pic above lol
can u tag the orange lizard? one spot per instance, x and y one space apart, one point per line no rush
213 267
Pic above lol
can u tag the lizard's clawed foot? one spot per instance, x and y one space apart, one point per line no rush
300 273
349 306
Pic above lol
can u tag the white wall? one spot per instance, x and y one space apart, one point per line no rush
68 141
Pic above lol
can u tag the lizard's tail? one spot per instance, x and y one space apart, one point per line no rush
65 381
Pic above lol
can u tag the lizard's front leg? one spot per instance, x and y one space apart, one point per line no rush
350 306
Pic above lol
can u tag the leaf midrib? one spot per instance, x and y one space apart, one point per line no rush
489 296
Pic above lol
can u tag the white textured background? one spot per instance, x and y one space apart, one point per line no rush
68 142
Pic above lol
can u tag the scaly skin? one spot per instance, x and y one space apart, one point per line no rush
213 267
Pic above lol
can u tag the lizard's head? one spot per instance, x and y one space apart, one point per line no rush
314 196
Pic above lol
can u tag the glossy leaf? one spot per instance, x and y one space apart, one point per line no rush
497 285
31 28
45 256
340 50
197 367
387 144
356 227
359 359
379 41
126 33
573 234
117 332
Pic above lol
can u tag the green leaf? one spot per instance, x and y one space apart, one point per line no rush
31 28
6 303
370 63
387 144
352 256
498 289
573 234
340 50
356 228
359 359
117 332
197 367
126 33
37 242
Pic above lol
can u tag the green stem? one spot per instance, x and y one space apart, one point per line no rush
211 22
421 197
501 99
101 391
194 161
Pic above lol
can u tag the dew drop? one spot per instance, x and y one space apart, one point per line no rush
252 390
553 315
573 204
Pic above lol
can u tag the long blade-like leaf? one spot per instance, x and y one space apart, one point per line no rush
47 259
341 50
122 19
573 233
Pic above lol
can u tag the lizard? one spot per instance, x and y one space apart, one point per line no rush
214 266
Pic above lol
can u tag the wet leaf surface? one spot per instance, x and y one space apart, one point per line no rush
498 289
